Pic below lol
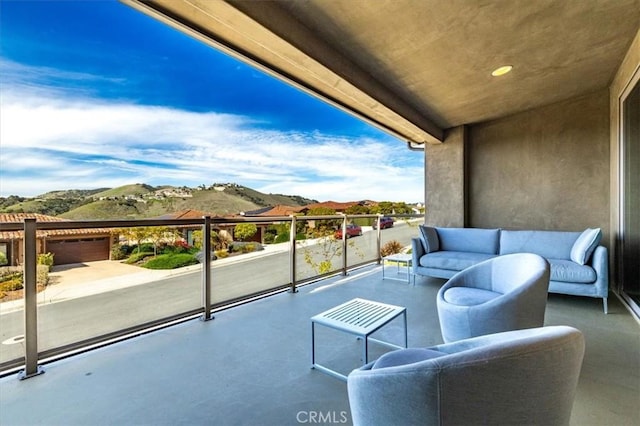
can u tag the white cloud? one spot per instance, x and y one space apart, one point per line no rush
49 141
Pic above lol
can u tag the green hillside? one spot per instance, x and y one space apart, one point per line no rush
141 201
105 210
71 193
268 199
122 191
47 206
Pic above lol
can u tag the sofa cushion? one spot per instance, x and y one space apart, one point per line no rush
453 260
548 244
571 272
585 245
469 296
406 356
429 238
473 240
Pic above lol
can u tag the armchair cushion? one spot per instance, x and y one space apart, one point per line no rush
585 245
406 356
469 296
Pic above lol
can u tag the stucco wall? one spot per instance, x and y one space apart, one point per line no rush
445 180
546 168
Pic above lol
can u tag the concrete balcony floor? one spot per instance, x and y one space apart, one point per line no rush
251 364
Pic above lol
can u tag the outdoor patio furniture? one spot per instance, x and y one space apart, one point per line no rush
578 263
500 294
512 378
361 318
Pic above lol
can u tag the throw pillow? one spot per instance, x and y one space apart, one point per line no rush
585 245
429 237
406 356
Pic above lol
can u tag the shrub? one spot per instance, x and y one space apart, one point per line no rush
3 259
391 247
244 231
137 257
46 259
269 238
221 254
143 248
244 247
119 252
171 261
11 285
177 247
282 238
42 275
12 277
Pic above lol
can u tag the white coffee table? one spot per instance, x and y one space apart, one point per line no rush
359 317
400 259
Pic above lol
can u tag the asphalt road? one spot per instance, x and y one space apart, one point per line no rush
81 318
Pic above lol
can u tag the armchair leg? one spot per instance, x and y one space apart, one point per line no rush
606 307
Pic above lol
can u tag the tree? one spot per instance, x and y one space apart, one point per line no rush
159 233
244 231
137 234
218 241
317 229
357 209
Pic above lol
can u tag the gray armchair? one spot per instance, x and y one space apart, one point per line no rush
512 378
500 294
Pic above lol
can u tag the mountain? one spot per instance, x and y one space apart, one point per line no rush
142 201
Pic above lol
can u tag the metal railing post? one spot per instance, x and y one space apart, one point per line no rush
292 254
378 238
30 302
344 244
206 269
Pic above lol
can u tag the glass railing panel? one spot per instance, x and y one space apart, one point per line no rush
255 268
362 248
11 321
318 247
400 233
92 299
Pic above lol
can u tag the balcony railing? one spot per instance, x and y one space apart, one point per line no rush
40 329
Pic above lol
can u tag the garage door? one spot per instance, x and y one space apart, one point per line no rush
78 251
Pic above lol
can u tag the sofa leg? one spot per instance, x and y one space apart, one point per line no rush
606 308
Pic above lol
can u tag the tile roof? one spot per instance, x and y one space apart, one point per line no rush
20 217
186 214
279 210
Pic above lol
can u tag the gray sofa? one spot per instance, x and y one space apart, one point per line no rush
579 265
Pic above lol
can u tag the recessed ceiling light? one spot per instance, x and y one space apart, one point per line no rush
501 71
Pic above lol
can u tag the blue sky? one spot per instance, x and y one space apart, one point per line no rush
96 94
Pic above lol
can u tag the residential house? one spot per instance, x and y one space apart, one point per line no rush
66 245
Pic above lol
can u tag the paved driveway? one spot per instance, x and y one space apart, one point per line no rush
90 271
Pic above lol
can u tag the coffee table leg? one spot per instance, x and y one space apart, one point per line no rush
313 345
365 349
406 342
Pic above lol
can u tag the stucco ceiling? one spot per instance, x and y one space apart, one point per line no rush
419 67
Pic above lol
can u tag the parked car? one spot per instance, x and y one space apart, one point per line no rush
385 222
352 231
